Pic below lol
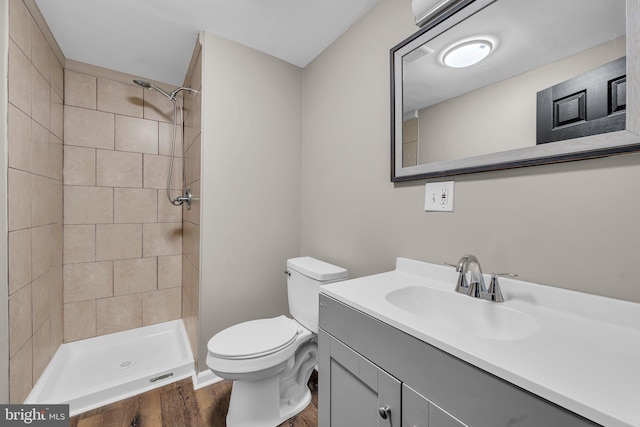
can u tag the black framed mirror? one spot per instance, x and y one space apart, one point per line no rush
539 67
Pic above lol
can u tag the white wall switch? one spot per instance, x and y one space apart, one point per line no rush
439 196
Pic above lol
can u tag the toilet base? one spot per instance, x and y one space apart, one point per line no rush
268 402
256 404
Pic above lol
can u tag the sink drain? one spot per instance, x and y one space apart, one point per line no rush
127 364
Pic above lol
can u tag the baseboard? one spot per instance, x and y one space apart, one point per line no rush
204 378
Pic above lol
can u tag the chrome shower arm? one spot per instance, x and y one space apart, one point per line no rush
177 106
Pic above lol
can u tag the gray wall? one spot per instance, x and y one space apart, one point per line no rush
571 225
250 224
4 289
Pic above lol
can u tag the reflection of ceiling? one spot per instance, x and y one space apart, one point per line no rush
154 39
528 33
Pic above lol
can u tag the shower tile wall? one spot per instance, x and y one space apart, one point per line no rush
122 238
35 122
191 218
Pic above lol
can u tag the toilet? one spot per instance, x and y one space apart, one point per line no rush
270 360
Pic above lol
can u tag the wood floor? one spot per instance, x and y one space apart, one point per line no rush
178 405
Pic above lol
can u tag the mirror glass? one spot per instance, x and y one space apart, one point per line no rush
446 111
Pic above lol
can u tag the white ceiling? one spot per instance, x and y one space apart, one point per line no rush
154 39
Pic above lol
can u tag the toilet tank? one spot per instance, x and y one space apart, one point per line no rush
305 276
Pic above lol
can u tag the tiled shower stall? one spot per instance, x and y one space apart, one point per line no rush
95 247
122 238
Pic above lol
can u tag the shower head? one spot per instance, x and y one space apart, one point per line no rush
148 85
171 96
142 83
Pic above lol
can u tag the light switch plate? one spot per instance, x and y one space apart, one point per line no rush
438 197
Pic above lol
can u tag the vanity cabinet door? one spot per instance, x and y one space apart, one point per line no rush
417 411
353 392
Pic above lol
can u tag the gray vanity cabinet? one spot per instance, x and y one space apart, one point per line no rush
366 366
360 394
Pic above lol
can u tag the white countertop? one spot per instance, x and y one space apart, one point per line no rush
584 354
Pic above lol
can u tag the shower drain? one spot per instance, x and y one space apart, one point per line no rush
127 364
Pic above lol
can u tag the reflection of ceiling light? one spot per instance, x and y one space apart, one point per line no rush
467 53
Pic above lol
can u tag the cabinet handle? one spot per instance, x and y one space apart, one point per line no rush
384 411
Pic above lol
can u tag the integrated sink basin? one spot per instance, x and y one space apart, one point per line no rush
466 315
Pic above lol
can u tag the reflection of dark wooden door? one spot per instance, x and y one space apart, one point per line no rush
592 103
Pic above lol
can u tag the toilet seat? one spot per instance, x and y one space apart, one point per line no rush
255 338
233 353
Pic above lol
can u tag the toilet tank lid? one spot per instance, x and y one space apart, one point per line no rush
316 269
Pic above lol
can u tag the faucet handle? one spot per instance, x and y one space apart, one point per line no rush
494 293
496 275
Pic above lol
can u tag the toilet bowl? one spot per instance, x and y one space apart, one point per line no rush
270 360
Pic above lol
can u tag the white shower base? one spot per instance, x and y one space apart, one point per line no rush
97 371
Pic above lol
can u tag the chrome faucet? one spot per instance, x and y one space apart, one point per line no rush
476 287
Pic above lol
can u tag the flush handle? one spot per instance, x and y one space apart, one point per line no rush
384 411
287 273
